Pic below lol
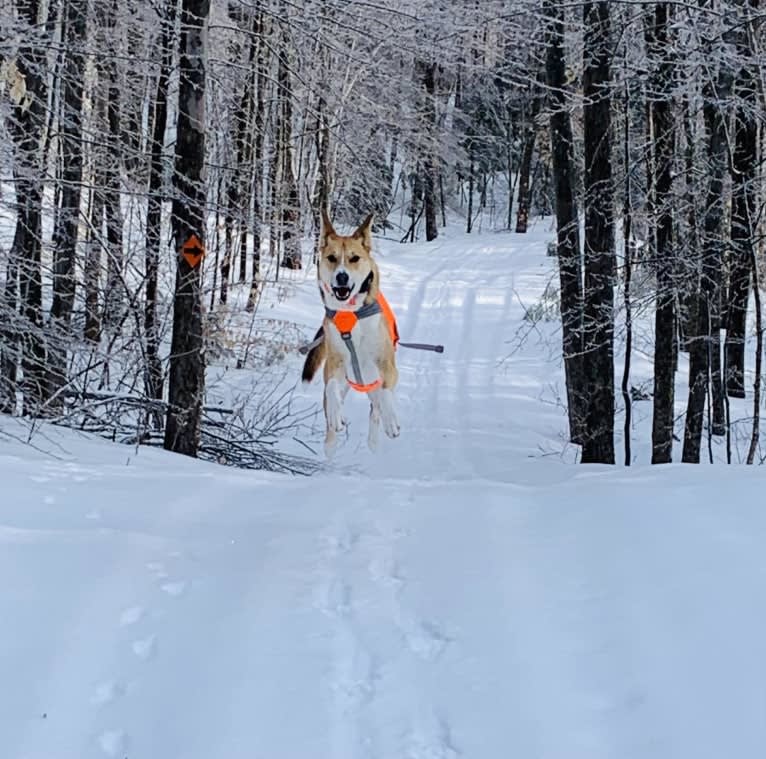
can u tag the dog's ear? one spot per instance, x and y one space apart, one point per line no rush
326 229
364 232
374 284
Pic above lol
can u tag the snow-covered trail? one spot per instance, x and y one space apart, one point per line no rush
451 596
473 412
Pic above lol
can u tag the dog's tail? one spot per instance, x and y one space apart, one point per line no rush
314 359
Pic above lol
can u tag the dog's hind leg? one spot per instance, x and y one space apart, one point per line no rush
374 433
388 413
386 399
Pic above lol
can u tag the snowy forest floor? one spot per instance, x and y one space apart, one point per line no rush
464 592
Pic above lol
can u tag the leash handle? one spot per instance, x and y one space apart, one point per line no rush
423 347
304 349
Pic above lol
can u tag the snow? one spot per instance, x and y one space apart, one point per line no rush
464 592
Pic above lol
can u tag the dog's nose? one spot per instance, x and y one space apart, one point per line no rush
341 279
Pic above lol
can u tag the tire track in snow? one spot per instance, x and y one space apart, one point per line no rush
417 298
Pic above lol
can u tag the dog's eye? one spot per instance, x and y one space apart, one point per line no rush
332 259
353 259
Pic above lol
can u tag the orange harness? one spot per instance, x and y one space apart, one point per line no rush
345 321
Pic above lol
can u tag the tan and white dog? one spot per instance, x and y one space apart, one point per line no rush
358 333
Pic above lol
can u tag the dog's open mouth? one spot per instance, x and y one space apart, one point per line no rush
342 293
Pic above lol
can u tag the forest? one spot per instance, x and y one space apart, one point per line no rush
164 164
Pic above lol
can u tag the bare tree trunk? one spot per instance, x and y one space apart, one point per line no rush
291 232
525 173
689 274
227 250
442 202
568 232
154 378
322 192
93 257
261 74
705 343
23 287
187 361
429 170
743 212
275 179
755 435
598 314
509 140
240 186
114 300
627 229
522 213
660 50
131 116
66 231
27 127
9 305
471 180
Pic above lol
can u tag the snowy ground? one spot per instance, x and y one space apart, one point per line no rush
465 592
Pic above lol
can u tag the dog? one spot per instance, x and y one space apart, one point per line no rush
358 334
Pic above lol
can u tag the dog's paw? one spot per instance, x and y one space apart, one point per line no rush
336 422
391 426
330 444
334 412
388 414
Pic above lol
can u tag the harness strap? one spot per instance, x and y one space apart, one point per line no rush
355 368
345 321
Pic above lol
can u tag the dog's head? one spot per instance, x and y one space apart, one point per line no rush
346 267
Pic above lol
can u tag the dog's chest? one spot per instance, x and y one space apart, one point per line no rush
365 345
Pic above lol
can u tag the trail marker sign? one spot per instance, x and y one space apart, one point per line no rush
193 251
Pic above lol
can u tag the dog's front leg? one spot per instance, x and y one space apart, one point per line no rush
334 393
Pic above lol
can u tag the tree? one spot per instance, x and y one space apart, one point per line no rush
598 310
660 46
567 221
525 170
705 344
187 361
430 175
259 128
153 380
114 297
743 214
28 130
66 231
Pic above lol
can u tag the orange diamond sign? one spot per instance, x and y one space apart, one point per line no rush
193 251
